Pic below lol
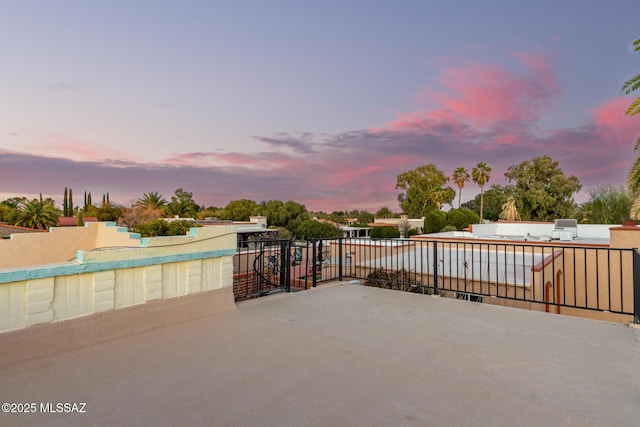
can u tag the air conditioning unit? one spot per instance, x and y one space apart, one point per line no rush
565 229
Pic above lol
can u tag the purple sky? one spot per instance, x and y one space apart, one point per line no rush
323 103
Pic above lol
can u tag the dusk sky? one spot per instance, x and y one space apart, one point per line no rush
323 103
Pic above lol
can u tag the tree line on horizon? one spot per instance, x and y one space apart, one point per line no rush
537 190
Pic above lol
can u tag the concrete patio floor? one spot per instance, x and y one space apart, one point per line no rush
345 355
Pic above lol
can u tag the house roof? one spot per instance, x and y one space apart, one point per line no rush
6 230
382 224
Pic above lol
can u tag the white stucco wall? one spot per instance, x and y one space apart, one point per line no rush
112 278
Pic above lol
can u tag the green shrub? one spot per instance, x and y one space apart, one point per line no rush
180 228
472 217
157 227
397 280
386 232
461 218
448 228
435 221
413 232
160 227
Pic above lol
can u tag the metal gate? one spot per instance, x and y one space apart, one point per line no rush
262 267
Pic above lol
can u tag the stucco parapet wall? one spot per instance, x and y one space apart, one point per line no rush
198 239
201 243
625 237
61 243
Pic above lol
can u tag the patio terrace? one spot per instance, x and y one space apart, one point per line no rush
339 354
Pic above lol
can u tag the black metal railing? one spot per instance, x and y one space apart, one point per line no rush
261 267
548 277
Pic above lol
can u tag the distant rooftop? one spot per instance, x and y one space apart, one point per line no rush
538 232
7 230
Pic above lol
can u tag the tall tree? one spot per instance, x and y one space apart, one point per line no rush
365 218
182 204
424 190
338 217
481 175
152 199
606 205
37 214
108 212
542 190
384 212
442 195
65 202
239 210
71 208
460 176
287 215
9 209
633 180
139 214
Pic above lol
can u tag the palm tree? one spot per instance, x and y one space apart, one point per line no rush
633 181
460 176
509 210
37 214
481 174
153 199
441 195
384 212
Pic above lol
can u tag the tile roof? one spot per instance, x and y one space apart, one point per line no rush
6 230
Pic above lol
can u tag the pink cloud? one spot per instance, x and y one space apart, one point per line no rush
352 173
428 122
613 125
600 170
75 148
486 94
230 161
505 139
479 94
